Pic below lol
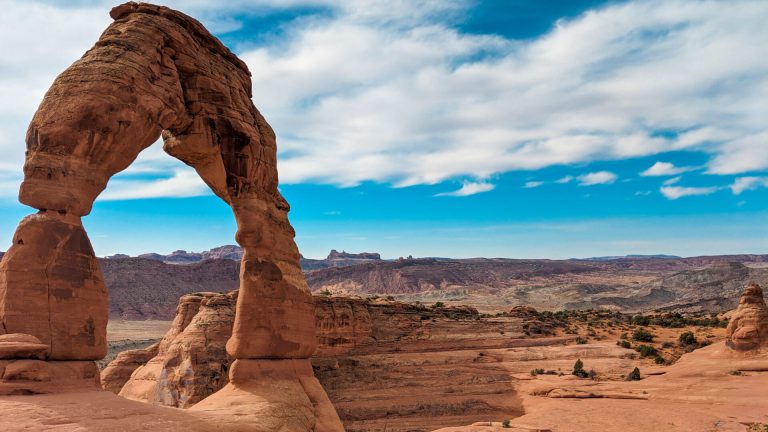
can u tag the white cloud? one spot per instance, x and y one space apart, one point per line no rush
470 188
392 92
675 192
564 180
672 181
596 178
532 184
184 183
742 184
665 169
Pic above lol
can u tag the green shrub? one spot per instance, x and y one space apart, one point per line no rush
687 338
634 375
535 372
642 335
624 344
659 360
578 369
438 305
646 350
505 424
580 340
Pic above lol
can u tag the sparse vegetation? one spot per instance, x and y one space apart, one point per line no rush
659 360
438 305
581 341
578 369
642 335
624 344
634 375
736 373
646 350
757 427
687 338
505 424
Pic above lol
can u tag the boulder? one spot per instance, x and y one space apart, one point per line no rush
748 327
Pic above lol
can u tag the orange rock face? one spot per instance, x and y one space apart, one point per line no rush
748 327
153 72
190 364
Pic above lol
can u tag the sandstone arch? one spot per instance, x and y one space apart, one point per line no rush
157 71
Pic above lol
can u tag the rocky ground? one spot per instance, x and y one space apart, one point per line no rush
393 366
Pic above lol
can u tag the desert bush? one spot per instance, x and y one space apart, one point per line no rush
642 335
578 369
687 338
535 372
646 350
757 427
736 373
438 305
580 340
659 360
624 344
505 424
634 375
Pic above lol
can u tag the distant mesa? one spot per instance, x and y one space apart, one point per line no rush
334 254
235 253
630 257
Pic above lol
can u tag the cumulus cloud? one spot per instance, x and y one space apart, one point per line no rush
184 183
675 192
470 188
392 92
664 169
596 178
742 184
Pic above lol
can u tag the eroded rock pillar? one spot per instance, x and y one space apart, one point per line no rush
51 287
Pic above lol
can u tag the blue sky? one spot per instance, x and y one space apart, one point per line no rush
549 129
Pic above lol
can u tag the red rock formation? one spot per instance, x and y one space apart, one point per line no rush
748 327
191 362
156 71
119 370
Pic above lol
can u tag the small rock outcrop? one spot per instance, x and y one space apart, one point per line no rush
119 370
20 346
191 361
748 327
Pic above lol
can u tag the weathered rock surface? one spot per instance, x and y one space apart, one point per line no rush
372 358
119 370
748 327
191 361
20 346
51 288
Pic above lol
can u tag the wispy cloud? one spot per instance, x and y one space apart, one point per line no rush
665 169
532 184
672 181
676 192
470 188
183 183
596 178
742 184
564 180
